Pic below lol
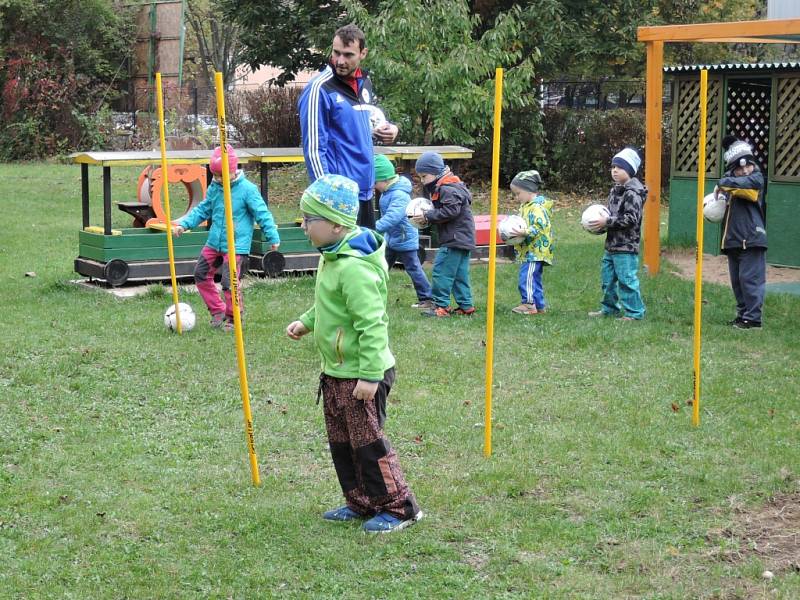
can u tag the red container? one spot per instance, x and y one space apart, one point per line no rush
482 227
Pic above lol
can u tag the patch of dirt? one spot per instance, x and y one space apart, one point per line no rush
715 268
770 533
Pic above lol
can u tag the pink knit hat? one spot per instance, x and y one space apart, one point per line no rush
216 161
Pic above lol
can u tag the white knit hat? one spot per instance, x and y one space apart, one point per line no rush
627 159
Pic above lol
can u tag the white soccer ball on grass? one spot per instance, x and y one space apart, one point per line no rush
416 208
593 213
188 318
509 229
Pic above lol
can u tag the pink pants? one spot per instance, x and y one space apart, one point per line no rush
204 271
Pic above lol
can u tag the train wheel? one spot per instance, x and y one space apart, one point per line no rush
273 263
116 272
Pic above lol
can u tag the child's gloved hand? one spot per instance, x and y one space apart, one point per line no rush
274 247
177 230
296 330
365 390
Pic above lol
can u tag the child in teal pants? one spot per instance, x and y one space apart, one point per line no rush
455 226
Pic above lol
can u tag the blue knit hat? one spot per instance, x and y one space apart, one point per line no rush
332 197
628 160
430 163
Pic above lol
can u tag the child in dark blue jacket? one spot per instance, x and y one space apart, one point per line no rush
402 238
744 231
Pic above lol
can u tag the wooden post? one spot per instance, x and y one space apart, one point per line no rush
85 194
106 200
652 151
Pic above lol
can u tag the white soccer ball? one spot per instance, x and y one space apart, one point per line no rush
417 207
714 208
188 317
592 213
508 228
376 117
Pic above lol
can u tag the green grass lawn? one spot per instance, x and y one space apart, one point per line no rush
123 462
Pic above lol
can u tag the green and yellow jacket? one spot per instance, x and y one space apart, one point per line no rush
538 245
349 314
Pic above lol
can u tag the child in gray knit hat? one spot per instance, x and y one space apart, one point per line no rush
455 226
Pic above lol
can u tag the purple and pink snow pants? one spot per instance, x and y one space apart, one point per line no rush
209 261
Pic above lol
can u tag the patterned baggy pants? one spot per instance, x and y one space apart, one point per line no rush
366 464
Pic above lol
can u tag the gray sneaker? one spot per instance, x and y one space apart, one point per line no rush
423 305
217 320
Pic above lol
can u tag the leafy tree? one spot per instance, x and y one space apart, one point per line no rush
436 75
290 34
217 41
59 63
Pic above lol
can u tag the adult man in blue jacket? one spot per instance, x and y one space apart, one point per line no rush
335 109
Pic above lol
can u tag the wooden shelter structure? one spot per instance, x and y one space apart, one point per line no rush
759 103
774 31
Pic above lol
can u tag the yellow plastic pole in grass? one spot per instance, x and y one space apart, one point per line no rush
237 318
698 272
170 249
498 109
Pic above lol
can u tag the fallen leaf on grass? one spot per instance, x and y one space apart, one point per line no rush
675 407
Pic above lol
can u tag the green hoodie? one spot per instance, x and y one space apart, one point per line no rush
349 314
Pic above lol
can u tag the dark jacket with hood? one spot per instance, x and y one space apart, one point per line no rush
743 225
451 212
624 226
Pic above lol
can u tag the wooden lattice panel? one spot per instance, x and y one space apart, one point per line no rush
748 115
786 154
687 126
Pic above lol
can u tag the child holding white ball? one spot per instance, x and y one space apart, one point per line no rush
455 225
620 264
402 239
536 250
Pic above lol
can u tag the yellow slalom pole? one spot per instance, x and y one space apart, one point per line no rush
237 318
498 109
165 187
698 272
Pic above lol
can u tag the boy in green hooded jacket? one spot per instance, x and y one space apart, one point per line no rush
349 322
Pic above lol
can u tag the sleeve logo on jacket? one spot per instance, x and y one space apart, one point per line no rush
339 98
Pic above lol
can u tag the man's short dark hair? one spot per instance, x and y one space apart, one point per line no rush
351 33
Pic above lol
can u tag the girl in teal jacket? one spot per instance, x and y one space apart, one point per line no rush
248 207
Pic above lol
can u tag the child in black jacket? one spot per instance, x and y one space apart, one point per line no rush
452 216
620 266
744 233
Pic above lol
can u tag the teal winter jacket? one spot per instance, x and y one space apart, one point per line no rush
248 207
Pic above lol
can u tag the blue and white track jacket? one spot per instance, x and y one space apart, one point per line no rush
336 132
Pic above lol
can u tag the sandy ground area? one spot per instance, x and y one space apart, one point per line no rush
715 268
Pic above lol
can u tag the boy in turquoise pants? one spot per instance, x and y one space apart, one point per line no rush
620 264
455 225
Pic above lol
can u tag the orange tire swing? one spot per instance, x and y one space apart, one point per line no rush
193 177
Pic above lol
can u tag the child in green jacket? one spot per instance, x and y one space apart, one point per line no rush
349 322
